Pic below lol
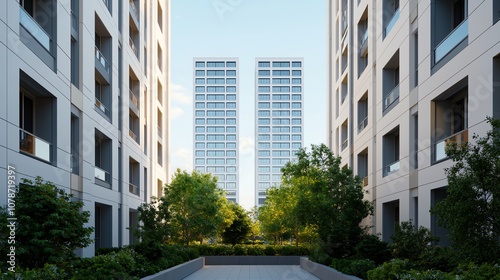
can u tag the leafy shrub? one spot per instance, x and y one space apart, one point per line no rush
408 243
426 275
475 272
48 272
354 267
240 250
436 257
371 247
115 265
105 251
270 251
318 255
255 251
390 270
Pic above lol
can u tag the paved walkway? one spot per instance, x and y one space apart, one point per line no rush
251 272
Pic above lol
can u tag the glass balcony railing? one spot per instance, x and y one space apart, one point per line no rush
451 41
100 57
133 189
344 144
363 124
391 22
344 20
34 28
133 99
101 107
391 97
132 46
363 42
132 135
159 131
393 167
33 145
74 165
440 147
102 175
134 10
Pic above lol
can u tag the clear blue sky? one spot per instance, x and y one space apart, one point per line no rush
245 29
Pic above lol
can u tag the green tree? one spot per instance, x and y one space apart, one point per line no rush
408 243
49 225
195 205
154 218
471 209
329 197
274 215
239 229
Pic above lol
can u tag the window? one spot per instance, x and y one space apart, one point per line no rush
390 76
264 129
281 72
212 105
390 15
281 153
231 105
160 16
281 64
263 113
200 81
296 113
296 129
296 72
264 73
296 105
264 64
231 161
231 73
296 89
215 81
297 81
390 149
264 145
215 137
281 137
215 64
200 121
280 129
231 81
281 105
264 89
296 121
231 129
215 153
217 113
281 121
231 121
215 96
231 154
231 89
296 64
231 145
200 89
215 89
200 73
496 11
216 129
296 137
230 113
200 161
200 153
199 145
296 145
264 137
264 81
281 113
264 169
281 89
264 97
296 97
200 64
264 153
211 73
264 105
231 64
363 112
103 159
281 96
264 161
284 81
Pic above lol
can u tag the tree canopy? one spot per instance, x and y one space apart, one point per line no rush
239 228
471 209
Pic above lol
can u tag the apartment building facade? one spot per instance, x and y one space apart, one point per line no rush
216 137
84 104
405 78
279 118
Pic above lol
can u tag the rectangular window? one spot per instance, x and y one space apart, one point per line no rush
200 64
231 64
231 81
200 73
231 73
211 73
296 64
281 64
264 89
390 149
264 64
296 72
200 81
264 73
215 64
200 89
281 72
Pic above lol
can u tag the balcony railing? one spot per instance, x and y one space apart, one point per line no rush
74 165
134 10
133 189
363 124
159 131
393 167
74 21
365 181
100 57
391 97
344 144
34 28
101 106
391 22
363 43
133 98
33 145
451 41
132 135
102 175
344 20
132 46
440 147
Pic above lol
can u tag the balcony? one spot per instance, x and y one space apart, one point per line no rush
459 138
391 22
391 168
132 46
102 175
35 146
34 29
134 11
364 182
101 107
133 98
363 46
133 189
451 41
101 59
363 124
391 97
160 134
344 144
132 135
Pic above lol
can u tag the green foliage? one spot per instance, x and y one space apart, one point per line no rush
269 251
115 265
483 272
47 272
391 270
408 243
471 209
240 227
154 218
196 206
356 267
371 247
426 275
251 250
50 225
328 197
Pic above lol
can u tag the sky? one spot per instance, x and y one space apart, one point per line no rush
245 29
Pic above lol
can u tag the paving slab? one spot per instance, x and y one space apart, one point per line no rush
251 272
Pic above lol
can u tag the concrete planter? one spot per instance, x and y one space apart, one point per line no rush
324 272
178 272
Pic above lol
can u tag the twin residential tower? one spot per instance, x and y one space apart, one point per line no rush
278 120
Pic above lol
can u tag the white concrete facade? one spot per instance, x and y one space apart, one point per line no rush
215 117
84 104
279 118
404 77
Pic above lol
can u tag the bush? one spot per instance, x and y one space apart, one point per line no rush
354 267
257 250
371 247
269 251
475 272
426 275
410 244
105 251
48 272
435 257
390 270
240 250
115 265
